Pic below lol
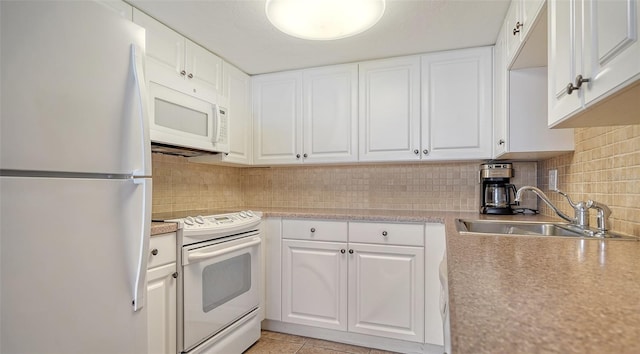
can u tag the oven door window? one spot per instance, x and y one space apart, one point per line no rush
226 280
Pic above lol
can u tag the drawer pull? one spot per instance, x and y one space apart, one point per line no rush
384 233
313 229
343 251
350 251
154 251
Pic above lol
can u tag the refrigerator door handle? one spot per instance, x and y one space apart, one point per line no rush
140 282
137 61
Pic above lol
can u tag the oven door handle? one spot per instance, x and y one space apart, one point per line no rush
197 256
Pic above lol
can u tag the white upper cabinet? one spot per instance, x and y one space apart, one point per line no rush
612 47
520 104
500 93
594 63
390 109
306 116
457 104
177 61
277 108
237 96
518 23
330 114
565 44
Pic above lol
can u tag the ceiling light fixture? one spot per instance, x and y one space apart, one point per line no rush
324 19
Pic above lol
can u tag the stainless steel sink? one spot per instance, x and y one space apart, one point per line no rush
520 228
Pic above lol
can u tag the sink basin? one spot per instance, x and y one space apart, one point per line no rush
520 228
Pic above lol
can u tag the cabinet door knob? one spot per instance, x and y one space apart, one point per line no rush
384 233
416 151
425 152
350 251
313 229
579 81
190 76
343 251
501 142
517 29
305 156
183 73
174 275
154 251
297 156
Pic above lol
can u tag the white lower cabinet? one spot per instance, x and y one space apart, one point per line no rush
314 283
386 291
161 295
358 277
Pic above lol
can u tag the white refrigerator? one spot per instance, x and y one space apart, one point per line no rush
75 180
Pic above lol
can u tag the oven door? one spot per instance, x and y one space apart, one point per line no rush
220 285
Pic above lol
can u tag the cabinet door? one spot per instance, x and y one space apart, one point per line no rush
277 108
203 67
237 94
389 109
457 104
513 24
161 309
500 92
314 283
564 58
163 44
529 10
386 291
612 46
331 114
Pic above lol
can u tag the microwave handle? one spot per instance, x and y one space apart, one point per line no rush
218 118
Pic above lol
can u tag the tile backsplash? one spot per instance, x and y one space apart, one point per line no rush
422 186
605 167
181 185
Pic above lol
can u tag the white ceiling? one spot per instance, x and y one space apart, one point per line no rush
239 32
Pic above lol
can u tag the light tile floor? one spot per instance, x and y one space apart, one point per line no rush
281 343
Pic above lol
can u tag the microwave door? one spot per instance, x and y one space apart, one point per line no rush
179 119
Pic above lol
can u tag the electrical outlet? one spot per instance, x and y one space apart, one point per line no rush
553 180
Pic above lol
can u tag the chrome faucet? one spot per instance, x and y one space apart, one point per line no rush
581 209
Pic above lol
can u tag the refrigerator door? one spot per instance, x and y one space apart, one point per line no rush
73 95
73 256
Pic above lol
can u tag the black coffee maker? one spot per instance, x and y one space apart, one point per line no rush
497 195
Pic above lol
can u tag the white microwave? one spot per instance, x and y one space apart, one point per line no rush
184 120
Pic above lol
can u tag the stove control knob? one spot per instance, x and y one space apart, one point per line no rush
243 214
250 213
199 219
189 221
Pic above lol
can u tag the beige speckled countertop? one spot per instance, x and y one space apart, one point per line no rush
523 294
159 228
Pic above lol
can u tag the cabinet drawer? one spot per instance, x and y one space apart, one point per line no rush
315 230
165 245
385 233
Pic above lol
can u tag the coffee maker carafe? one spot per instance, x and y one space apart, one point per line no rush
497 194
